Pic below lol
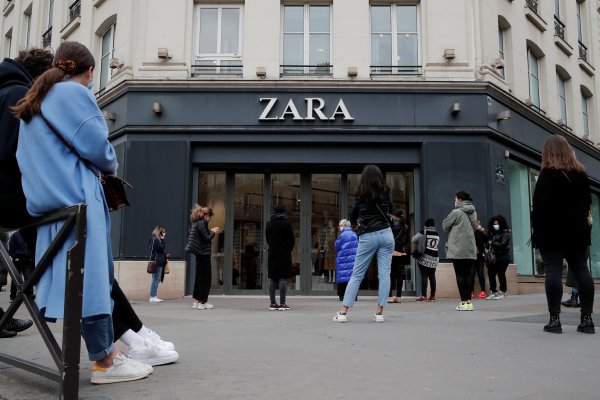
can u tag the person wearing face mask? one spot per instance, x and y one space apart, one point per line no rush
499 236
158 254
345 246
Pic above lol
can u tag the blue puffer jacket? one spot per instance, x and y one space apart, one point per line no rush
345 247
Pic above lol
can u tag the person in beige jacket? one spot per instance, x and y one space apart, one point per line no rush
460 224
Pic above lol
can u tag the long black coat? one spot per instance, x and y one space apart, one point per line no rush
280 238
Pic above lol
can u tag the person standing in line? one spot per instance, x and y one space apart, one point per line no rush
280 239
54 177
157 253
460 224
371 211
428 240
345 245
199 244
23 259
399 256
562 198
500 247
481 244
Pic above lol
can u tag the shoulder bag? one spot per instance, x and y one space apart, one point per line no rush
151 263
114 187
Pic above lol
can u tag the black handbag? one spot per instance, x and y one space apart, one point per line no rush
113 186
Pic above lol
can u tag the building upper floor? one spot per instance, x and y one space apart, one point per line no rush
544 53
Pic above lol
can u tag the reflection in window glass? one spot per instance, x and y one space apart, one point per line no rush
211 193
520 217
230 31
208 30
595 247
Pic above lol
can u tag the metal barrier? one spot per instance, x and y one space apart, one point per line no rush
67 357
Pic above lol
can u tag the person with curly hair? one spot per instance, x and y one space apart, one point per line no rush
499 237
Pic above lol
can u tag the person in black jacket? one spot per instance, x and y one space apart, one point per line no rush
158 254
400 256
499 236
371 211
280 238
562 198
199 244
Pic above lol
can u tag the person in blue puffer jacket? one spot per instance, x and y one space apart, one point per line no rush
345 247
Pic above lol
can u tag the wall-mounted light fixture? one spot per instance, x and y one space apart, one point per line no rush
499 63
503 115
157 108
163 53
506 154
352 72
449 54
115 63
261 72
455 109
109 115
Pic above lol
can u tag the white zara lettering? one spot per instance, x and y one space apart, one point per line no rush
314 106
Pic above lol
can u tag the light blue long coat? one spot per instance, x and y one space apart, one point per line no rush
53 177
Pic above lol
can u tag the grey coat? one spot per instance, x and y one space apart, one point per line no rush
460 224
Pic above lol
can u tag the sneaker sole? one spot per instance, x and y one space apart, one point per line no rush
101 380
587 329
555 330
158 361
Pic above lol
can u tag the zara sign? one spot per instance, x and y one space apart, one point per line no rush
314 110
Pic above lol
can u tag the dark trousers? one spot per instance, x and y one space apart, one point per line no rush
341 289
25 267
427 274
498 268
577 259
124 317
203 278
282 290
479 270
397 275
464 277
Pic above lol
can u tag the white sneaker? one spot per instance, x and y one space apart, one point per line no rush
151 354
500 296
195 305
155 300
158 342
492 296
340 317
123 369
378 317
205 306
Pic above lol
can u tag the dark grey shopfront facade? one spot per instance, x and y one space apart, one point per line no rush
240 147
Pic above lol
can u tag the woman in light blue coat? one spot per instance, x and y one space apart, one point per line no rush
54 177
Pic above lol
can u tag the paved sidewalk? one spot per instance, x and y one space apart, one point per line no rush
240 350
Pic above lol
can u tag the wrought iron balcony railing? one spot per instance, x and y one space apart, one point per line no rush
217 67
559 28
47 38
74 10
583 51
396 70
306 70
533 5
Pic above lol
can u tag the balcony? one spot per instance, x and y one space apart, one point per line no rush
217 68
531 13
74 19
533 5
323 70
583 59
74 11
559 37
47 38
559 28
394 70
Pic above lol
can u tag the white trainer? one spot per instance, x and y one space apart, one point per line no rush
208 306
343 318
156 340
150 354
195 305
155 300
124 369
378 317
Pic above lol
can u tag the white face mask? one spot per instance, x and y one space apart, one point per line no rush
496 227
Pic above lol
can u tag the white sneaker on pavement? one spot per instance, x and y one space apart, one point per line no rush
155 300
156 340
123 369
378 317
340 318
151 354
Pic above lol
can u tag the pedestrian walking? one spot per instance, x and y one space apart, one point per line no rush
499 235
280 239
561 220
157 254
345 246
427 242
371 211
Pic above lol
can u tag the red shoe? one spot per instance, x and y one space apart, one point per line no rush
431 299
472 295
482 295
422 298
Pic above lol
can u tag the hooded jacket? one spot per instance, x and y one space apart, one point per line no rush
14 83
460 224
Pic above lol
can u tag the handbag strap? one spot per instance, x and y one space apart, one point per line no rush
384 216
151 247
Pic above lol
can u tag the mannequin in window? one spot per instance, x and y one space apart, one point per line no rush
329 262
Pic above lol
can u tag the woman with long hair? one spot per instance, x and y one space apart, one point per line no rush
157 254
199 244
372 212
460 225
54 177
499 237
562 228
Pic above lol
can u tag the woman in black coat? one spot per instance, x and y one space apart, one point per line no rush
199 244
562 228
280 238
157 253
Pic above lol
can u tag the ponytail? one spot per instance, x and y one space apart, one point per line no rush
31 104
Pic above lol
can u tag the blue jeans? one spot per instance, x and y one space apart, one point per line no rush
98 335
380 243
155 281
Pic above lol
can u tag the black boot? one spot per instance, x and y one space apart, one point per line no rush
553 325
572 302
586 325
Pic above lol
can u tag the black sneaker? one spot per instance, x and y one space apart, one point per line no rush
283 307
274 307
18 325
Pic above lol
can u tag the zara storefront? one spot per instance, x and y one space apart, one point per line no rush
241 147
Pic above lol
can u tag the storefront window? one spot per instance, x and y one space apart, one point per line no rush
595 247
211 193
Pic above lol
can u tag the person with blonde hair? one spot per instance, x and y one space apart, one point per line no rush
345 246
199 244
157 254
561 222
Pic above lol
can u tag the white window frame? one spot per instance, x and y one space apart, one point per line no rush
531 56
108 73
218 57
562 98
585 114
50 13
306 37
580 21
395 68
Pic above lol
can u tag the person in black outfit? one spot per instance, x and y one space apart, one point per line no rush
23 260
562 198
481 243
400 257
199 244
281 239
499 235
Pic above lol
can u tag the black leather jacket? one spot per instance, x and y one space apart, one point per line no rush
199 239
371 217
501 243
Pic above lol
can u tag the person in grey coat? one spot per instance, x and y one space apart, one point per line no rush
461 249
